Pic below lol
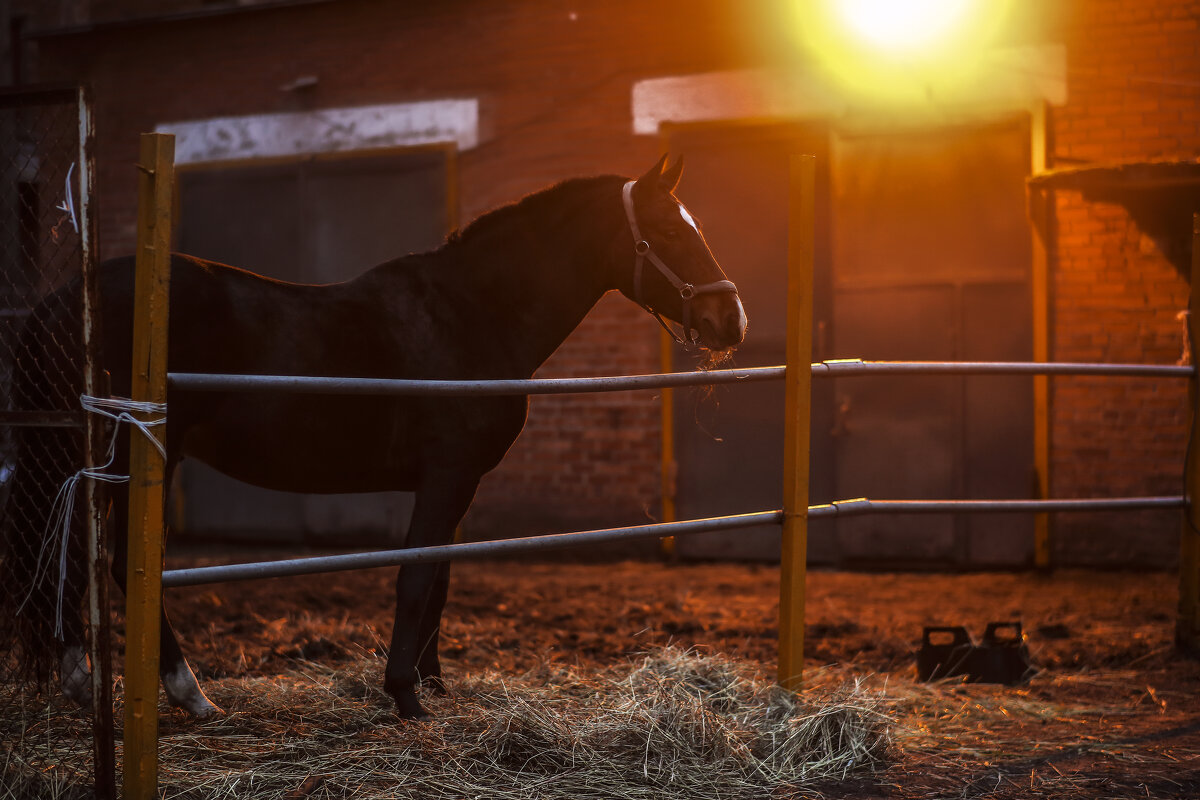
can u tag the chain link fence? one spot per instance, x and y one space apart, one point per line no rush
55 717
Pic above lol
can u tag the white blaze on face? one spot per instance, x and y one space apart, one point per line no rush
683 212
691 221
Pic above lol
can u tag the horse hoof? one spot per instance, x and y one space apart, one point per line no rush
79 695
184 692
206 710
199 707
407 707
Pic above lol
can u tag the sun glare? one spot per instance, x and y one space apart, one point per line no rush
902 26
899 50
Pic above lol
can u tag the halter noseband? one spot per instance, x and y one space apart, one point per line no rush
642 252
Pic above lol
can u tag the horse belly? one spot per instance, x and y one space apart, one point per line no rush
341 452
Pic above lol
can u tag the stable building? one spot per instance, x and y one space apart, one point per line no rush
1025 198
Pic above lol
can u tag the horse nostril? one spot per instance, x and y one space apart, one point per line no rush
733 325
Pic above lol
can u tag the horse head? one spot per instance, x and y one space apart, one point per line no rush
674 272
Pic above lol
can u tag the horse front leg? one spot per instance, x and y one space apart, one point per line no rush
421 592
429 665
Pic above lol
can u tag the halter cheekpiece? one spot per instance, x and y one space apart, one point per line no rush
643 252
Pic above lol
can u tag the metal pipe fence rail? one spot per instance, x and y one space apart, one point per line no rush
416 555
830 368
834 368
312 565
202 382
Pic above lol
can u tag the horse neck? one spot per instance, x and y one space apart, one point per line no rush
532 281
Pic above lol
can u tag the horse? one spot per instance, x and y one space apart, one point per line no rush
492 302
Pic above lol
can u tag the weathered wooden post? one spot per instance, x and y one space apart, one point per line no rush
95 443
143 601
797 410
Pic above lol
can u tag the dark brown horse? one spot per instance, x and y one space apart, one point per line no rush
493 302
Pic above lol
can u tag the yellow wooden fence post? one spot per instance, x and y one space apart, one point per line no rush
667 470
146 492
1041 218
1187 626
797 410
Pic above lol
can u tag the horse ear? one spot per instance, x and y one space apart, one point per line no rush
670 177
654 174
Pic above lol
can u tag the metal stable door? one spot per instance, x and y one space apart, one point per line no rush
932 263
922 254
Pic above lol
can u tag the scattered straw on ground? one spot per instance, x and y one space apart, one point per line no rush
676 725
45 748
673 725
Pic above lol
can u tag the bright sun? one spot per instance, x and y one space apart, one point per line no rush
897 50
898 26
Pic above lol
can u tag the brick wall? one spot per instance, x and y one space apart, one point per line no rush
1134 85
583 460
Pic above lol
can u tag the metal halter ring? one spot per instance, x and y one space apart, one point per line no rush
687 291
642 247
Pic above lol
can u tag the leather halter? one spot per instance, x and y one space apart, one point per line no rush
643 252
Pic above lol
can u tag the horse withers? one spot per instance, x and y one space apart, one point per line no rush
493 302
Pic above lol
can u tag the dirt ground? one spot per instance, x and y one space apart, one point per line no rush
1114 710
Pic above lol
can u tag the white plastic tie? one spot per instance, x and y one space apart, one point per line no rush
67 206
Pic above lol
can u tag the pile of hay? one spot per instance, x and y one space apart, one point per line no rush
674 725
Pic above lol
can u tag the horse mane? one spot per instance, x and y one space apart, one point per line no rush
542 205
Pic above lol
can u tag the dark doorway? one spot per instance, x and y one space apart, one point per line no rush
316 220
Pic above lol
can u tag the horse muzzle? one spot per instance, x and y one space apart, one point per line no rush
720 320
